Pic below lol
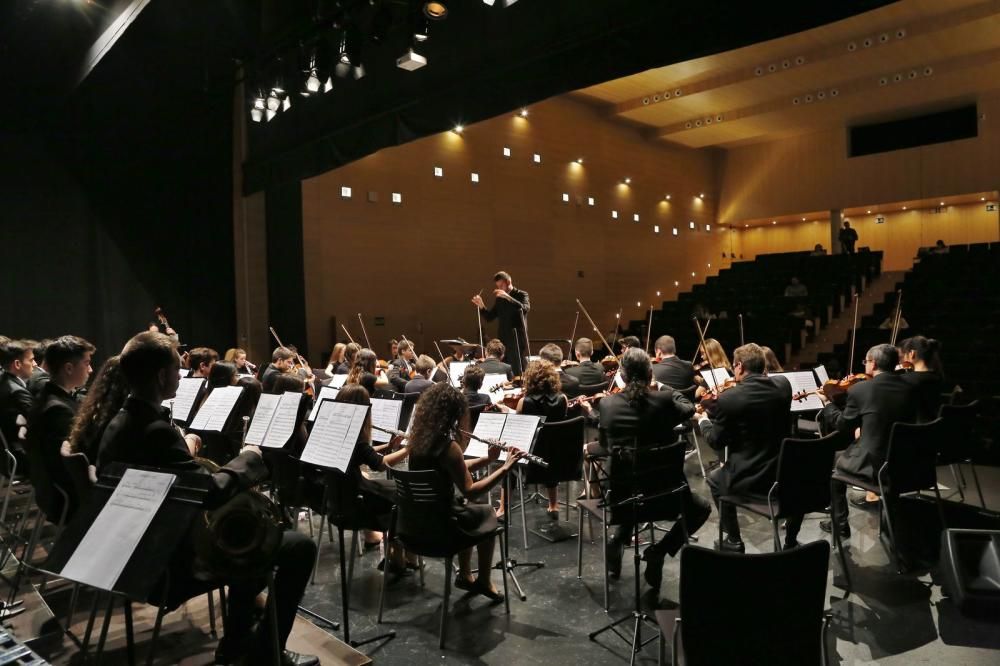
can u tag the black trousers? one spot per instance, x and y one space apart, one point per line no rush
727 513
696 510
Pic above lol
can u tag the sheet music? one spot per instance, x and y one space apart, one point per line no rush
286 417
721 375
489 426
106 548
334 435
187 391
337 381
455 370
325 393
519 430
262 418
489 381
215 411
802 382
821 374
619 380
385 414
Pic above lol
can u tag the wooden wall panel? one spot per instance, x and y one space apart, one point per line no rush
417 264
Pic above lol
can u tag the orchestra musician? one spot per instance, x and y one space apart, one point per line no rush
424 368
458 349
472 381
553 354
649 415
105 397
751 419
141 434
282 360
201 360
510 309
350 353
585 370
401 369
493 363
238 357
17 360
336 358
668 368
366 372
40 375
923 355
543 396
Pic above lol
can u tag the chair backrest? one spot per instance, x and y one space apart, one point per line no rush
474 413
804 467
912 456
655 471
592 389
423 511
959 442
560 444
217 447
409 402
81 472
345 504
783 590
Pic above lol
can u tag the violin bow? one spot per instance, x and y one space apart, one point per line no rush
739 318
711 366
348 333
649 328
854 333
363 330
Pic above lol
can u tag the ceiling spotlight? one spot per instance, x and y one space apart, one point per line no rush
435 11
904 207
701 196
313 83
579 160
774 221
458 129
667 197
271 113
982 198
803 219
256 114
657 293
328 86
868 212
286 104
627 180
411 61
273 103
941 204
258 103
488 3
344 58
523 113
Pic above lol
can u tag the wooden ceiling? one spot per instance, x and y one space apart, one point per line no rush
911 55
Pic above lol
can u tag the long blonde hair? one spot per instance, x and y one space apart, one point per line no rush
715 354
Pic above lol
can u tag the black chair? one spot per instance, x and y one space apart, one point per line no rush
910 466
785 589
592 389
800 486
960 444
657 462
422 522
560 444
409 402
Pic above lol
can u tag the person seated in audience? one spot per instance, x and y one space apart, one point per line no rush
401 369
105 397
472 382
818 251
493 363
424 367
282 360
923 356
40 375
238 357
350 353
553 354
17 361
366 372
543 396
939 248
670 370
796 289
585 371
141 434
873 406
771 362
51 419
336 358
201 360
437 443
751 419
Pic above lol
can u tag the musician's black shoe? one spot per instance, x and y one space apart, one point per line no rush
827 526
289 658
614 553
730 545
862 502
789 545
654 568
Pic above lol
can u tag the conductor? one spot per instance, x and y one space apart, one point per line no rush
510 309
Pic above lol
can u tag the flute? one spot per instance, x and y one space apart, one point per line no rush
390 431
530 457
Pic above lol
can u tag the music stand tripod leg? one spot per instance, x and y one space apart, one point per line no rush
506 562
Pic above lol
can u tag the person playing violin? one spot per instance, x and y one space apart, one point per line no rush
553 354
586 371
670 370
922 355
751 419
403 368
493 363
472 381
510 309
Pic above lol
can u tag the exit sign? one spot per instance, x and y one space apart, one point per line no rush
880 219
990 208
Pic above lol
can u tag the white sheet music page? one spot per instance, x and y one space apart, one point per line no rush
801 382
325 393
821 374
455 370
215 410
187 391
337 381
334 435
720 376
494 382
619 380
385 414
284 421
262 418
519 430
105 549
489 426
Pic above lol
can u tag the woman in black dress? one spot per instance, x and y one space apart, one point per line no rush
543 396
436 443
923 355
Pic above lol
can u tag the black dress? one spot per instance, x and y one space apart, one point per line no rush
553 408
474 521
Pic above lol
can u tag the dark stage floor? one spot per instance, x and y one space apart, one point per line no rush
889 619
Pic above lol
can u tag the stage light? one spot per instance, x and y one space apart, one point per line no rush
692 274
638 304
436 11
328 86
904 207
506 152
256 114
458 129
258 103
313 83
635 217
657 293
537 159
286 104
803 219
676 283
358 71
982 198
579 160
701 196
746 226
627 180
667 197
270 115
523 113
273 102
488 3
411 61
344 58
774 221
868 212
941 204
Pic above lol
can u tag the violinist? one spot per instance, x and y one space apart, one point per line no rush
922 355
421 381
336 358
201 360
402 368
628 342
493 363
585 371
553 354
458 347
472 381
366 372
510 309
873 406
670 370
282 360
771 363
712 355
350 353
751 419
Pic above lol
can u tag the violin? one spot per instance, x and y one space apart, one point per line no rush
610 364
708 400
833 388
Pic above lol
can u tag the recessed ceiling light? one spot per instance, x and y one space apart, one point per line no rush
941 204
982 198
701 196
774 221
904 207
523 113
627 180
579 160
458 129
667 197
536 158
869 212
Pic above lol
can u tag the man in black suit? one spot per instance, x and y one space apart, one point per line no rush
650 416
17 361
141 434
586 371
50 421
874 406
752 419
510 309
282 360
553 354
847 237
472 381
493 363
40 375
670 370
402 366
422 381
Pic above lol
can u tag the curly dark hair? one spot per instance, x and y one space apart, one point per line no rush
104 399
541 378
435 417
